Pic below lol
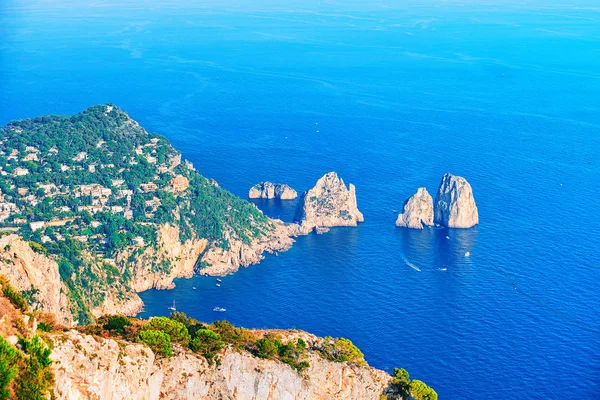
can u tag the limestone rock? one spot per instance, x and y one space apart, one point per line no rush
454 204
220 262
26 269
86 367
180 184
418 211
329 203
268 190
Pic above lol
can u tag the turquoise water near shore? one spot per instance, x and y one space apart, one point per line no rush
391 95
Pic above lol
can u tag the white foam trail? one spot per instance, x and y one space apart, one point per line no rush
413 266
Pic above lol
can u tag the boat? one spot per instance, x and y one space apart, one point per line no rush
194 287
219 309
218 285
443 269
468 254
395 211
219 280
172 308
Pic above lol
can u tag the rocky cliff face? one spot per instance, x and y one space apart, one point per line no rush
38 274
220 262
178 258
454 204
87 367
27 270
268 190
418 211
329 203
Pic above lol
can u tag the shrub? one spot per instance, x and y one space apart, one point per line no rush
46 321
116 323
401 381
266 348
302 365
341 350
9 357
301 344
420 391
12 295
176 330
35 377
192 324
158 341
238 337
207 343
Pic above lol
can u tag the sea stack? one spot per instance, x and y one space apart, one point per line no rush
454 203
329 203
418 211
268 190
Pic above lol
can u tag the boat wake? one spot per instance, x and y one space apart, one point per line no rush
413 266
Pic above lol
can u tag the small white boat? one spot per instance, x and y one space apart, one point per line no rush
219 309
218 285
219 280
194 287
447 237
468 254
395 211
443 269
173 308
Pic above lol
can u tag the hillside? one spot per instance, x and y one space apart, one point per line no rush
180 358
118 211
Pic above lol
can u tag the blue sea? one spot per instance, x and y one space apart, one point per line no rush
391 95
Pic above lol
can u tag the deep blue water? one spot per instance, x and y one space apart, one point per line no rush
507 96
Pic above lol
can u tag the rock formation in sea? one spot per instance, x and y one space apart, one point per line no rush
269 190
454 203
418 211
329 203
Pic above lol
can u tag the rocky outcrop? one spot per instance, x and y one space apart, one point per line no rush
454 204
417 211
268 190
89 367
28 270
178 258
329 203
220 262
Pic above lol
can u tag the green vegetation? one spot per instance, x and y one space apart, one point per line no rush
102 186
405 387
25 371
177 331
35 379
158 341
9 357
12 295
341 350
420 391
207 343
115 323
